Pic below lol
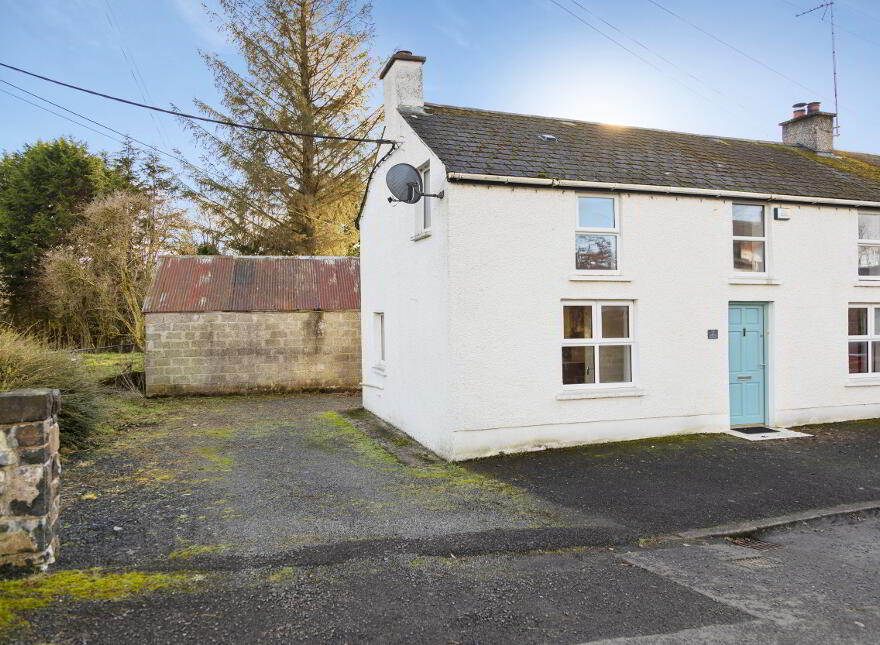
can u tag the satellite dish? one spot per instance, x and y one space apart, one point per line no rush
405 183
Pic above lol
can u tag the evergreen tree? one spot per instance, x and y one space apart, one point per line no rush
307 70
42 190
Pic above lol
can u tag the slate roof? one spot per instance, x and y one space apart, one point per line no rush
200 283
497 143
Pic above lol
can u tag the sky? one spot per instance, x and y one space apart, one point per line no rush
723 68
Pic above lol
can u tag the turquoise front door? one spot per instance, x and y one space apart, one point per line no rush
745 332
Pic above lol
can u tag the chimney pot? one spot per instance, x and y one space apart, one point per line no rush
813 106
798 113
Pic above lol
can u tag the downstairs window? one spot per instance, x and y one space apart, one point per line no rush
597 343
864 339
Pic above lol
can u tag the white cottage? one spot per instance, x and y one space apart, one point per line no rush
581 282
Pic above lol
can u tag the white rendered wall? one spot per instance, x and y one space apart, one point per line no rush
407 280
510 260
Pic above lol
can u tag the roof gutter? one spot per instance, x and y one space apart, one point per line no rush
647 188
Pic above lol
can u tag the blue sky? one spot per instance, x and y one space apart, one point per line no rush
527 56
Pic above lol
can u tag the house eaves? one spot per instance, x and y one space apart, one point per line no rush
663 190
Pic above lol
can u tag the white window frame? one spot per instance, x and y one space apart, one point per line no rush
380 347
598 341
583 230
865 242
748 238
423 207
870 338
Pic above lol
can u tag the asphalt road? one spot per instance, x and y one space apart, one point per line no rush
820 585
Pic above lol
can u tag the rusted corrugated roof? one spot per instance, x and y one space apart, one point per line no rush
244 283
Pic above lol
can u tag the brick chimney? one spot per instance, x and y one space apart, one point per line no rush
809 128
402 83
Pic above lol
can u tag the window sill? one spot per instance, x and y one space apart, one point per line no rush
862 282
745 279
607 393
379 369
421 236
866 381
591 277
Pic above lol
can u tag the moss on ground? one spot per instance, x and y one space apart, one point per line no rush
432 486
333 432
219 433
152 475
194 550
282 575
215 461
17 597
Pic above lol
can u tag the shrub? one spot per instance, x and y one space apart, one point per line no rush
27 361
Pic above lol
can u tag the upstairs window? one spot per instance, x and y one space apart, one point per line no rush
749 238
869 244
597 235
864 339
423 206
597 343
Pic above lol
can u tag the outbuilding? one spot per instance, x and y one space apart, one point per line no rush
228 324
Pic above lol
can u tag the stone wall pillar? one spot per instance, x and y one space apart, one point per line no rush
29 478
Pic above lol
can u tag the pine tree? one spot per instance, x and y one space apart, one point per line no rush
307 70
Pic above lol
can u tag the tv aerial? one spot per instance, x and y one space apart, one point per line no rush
405 183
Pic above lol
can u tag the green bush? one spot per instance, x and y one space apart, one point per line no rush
27 361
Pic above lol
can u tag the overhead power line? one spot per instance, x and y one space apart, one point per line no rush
672 64
45 109
127 137
195 117
733 47
133 68
627 49
61 107
180 159
177 158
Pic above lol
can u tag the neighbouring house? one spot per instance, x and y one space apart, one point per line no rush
225 324
580 282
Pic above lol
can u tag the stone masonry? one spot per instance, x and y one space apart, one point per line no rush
30 472
229 352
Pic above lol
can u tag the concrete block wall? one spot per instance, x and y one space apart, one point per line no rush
230 352
30 473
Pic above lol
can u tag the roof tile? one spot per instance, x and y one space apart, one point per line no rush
496 143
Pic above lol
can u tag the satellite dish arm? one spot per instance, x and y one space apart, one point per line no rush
420 195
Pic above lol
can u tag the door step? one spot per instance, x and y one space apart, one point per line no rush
761 433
